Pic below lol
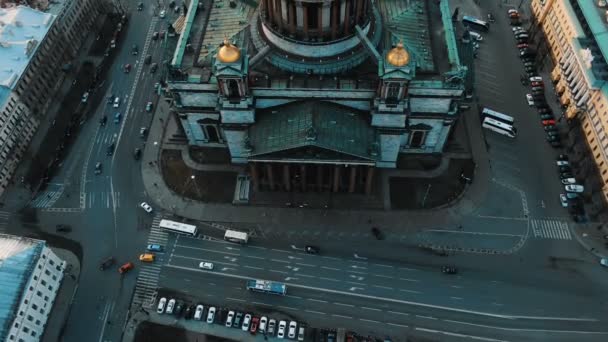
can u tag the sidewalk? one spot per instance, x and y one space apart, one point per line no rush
63 302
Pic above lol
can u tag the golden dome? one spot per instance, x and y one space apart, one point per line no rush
398 56
228 53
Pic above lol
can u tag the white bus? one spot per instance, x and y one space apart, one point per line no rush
177 227
489 113
499 127
236 236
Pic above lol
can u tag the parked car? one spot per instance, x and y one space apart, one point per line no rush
237 320
549 128
301 333
292 329
255 321
63 228
545 116
170 306
565 168
562 157
560 162
126 268
530 100
179 308
153 67
137 153
271 327
145 206
281 329
449 269
572 196
524 46
154 247
574 188
263 324
543 110
246 322
229 319
148 59
556 144
211 315
143 132
161 305
552 138
563 200
149 107
116 102
311 249
567 181
550 122
189 312
205 265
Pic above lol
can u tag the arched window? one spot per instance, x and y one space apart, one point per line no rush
417 139
233 89
392 93
212 134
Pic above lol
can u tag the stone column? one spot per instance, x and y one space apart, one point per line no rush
359 8
353 178
255 176
270 176
278 15
335 19
320 184
369 180
303 176
347 18
325 15
336 183
286 177
299 14
292 18
305 20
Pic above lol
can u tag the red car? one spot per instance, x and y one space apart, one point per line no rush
254 325
126 268
548 122
537 84
522 46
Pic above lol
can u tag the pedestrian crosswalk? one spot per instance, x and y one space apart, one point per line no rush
147 278
4 217
551 229
47 199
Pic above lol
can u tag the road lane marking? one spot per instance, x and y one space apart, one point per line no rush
342 304
357 272
373 309
259 303
302 264
407 269
291 296
387 299
342 316
426 317
317 300
235 299
280 250
381 265
368 320
458 335
456 286
258 247
255 257
352 282
330 268
410 291
275 271
407 279
255 268
383 287
330 279
305 275
326 257
399 313
286 307
208 250
456 298
316 312
398 325
382 276
530 330
283 261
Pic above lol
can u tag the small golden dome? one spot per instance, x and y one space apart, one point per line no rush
228 53
398 56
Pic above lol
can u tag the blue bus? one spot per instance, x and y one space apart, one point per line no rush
475 24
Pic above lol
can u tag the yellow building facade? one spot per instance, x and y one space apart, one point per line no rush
576 37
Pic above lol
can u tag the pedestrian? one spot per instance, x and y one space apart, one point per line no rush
155 184
460 227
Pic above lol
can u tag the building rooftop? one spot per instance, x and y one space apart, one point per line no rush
21 31
18 256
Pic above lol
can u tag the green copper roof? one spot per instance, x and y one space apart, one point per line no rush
324 125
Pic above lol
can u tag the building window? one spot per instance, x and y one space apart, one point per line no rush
392 93
43 282
51 262
46 298
34 306
30 318
33 333
26 329
50 288
417 138
47 272
38 293
212 135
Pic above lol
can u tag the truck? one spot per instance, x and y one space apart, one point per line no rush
267 286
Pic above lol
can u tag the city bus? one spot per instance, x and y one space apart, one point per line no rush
267 286
504 118
499 127
475 23
236 236
177 227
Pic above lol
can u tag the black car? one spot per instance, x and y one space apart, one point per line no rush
106 263
562 157
110 149
449 269
179 308
237 320
565 175
137 153
552 138
545 116
311 249
564 168
544 110
140 6
189 312
556 144
103 120
377 233
153 67
552 133
550 128
63 228
579 218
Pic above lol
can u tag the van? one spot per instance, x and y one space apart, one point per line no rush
116 102
475 36
146 257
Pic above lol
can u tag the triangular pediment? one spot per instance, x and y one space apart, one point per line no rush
311 153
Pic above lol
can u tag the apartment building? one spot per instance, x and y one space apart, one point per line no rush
30 277
576 38
35 42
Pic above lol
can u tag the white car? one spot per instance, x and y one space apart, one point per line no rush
162 14
512 11
229 319
198 313
567 181
536 79
574 188
563 200
211 315
116 102
292 329
530 99
562 162
206 265
604 262
271 325
263 323
170 306
145 206
281 330
161 305
85 97
246 322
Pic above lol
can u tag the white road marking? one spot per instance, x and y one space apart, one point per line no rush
410 291
407 279
382 276
330 279
330 268
235 299
398 325
275 271
255 257
306 275
290 296
456 298
426 317
456 286
368 320
302 264
357 272
283 261
326 257
373 309
341 316
399 313
280 250
316 312
381 265
458 335
407 269
317 300
342 304
259 303
255 268
383 287
532 330
286 307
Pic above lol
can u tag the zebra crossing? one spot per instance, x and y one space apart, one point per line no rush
551 229
4 217
47 198
147 279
